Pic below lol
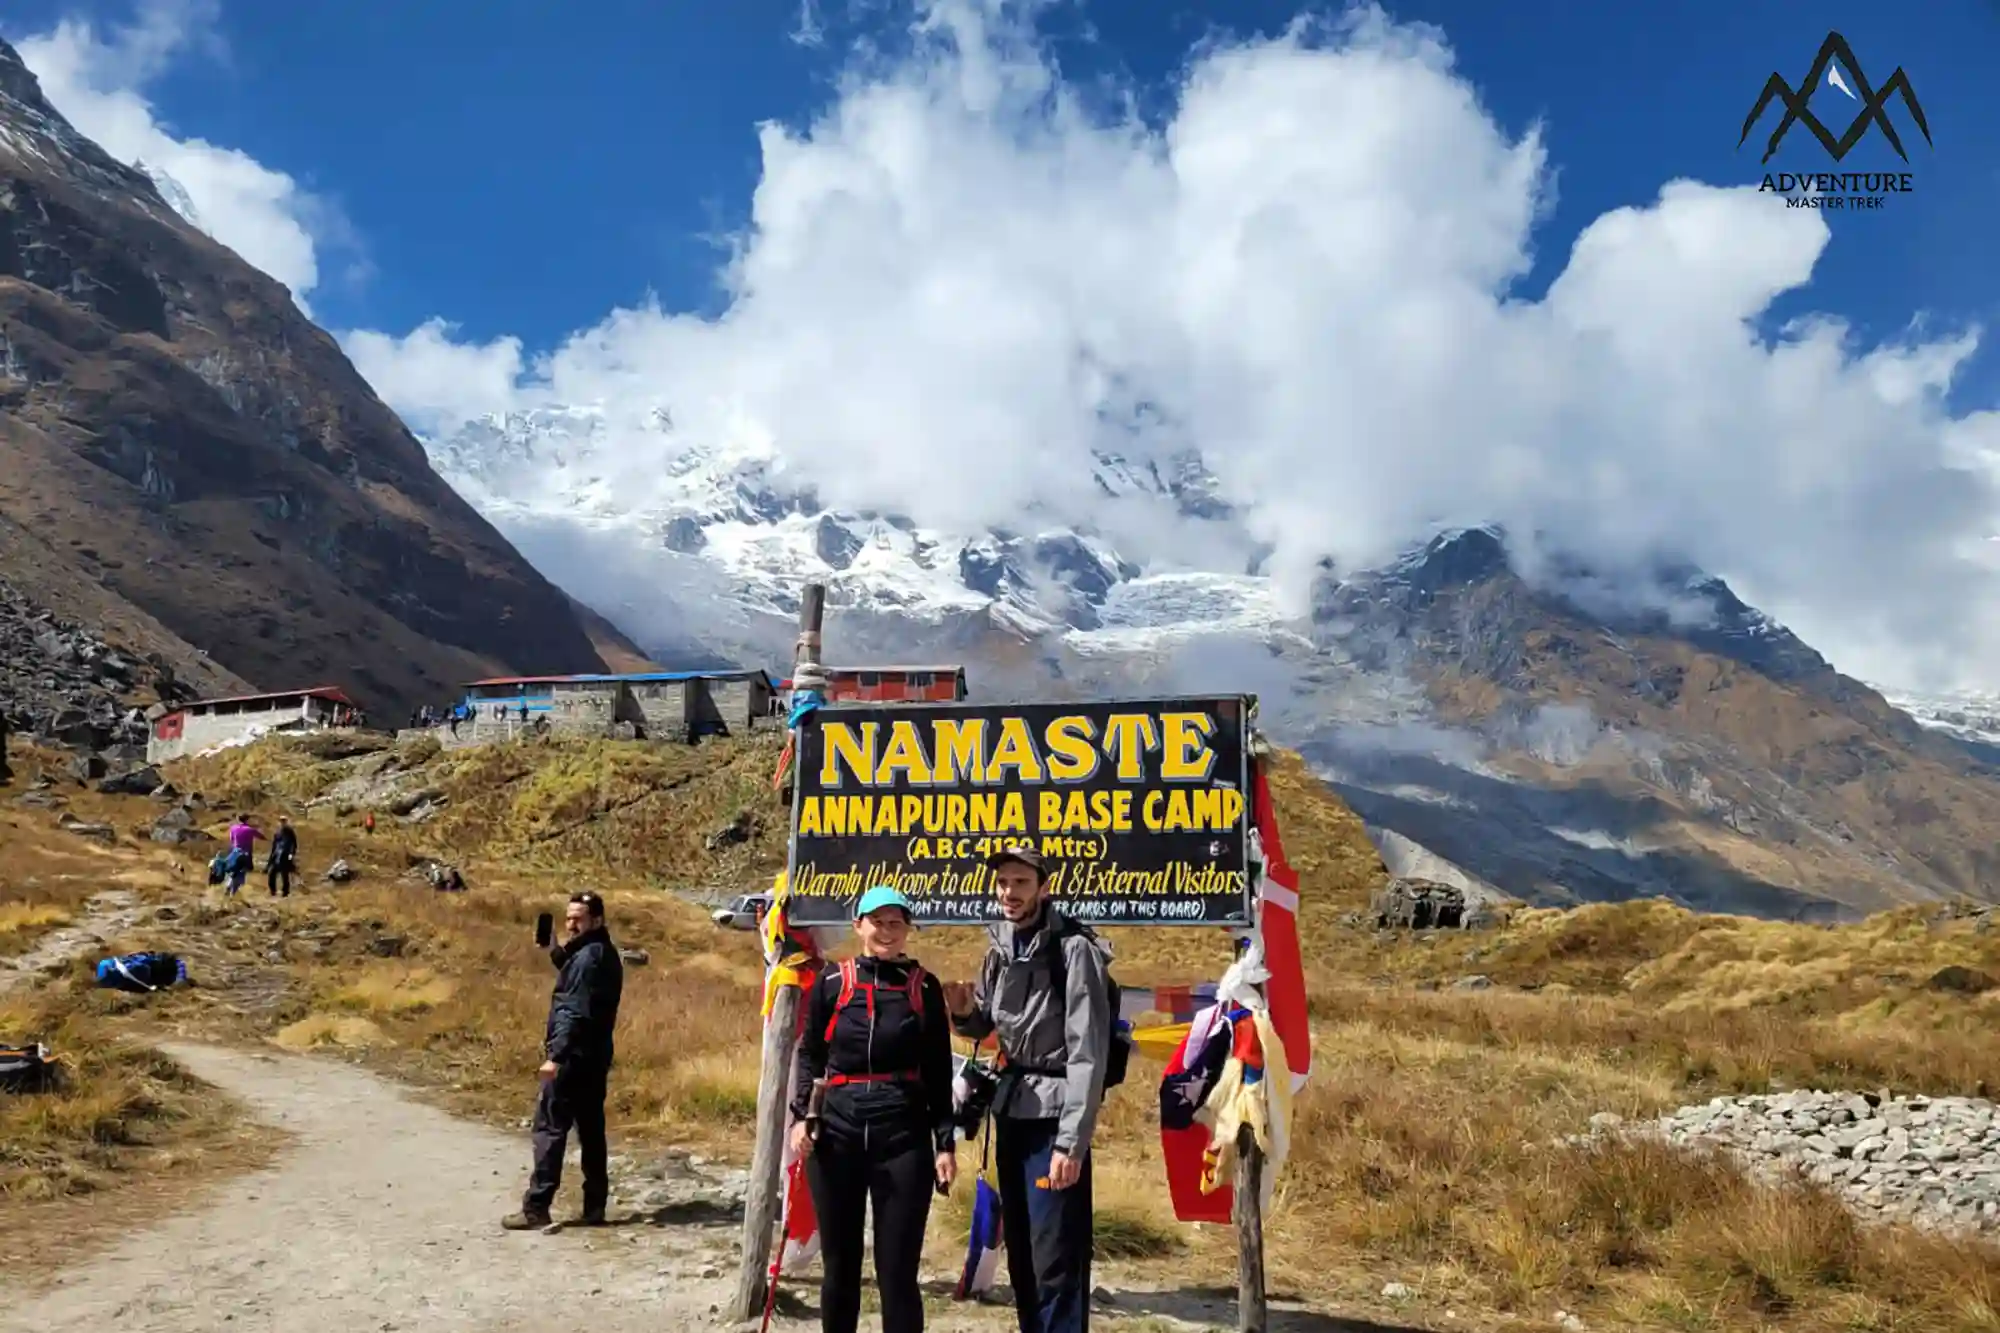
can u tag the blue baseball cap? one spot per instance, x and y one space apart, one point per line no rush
883 896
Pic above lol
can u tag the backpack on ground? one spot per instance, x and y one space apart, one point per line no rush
141 972
26 1069
1117 1060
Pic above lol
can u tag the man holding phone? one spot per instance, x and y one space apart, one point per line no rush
576 1064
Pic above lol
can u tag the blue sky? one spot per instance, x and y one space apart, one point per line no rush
1380 279
524 175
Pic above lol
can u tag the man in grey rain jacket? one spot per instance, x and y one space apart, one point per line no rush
1043 987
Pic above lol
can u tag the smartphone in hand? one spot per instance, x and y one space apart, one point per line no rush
545 929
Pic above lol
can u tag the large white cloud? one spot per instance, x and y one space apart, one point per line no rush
965 274
98 81
959 279
435 378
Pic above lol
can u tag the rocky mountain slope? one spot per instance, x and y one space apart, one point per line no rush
61 681
184 438
1718 759
1544 737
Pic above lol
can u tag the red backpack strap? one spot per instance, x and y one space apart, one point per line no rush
847 975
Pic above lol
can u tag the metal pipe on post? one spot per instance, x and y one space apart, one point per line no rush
781 1030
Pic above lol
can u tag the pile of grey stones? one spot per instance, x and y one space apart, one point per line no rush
1928 1162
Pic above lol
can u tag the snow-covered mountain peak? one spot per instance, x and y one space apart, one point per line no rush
730 523
758 523
175 194
1966 715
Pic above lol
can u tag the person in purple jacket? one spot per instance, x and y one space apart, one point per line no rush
243 836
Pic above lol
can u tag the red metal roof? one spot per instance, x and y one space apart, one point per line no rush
891 670
330 693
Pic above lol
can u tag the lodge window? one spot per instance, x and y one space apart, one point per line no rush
920 680
869 679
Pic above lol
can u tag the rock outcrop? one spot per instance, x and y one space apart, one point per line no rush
1416 904
1931 1161
62 683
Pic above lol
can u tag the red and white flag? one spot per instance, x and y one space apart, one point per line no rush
1191 1074
798 1241
1278 933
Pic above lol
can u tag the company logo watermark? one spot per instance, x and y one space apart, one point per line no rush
1829 190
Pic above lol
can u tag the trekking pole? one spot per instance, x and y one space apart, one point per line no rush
784 1236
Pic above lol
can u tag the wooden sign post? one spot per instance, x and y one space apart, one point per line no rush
1252 1312
1252 1316
781 1033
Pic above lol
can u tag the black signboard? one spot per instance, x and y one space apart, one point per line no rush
1140 808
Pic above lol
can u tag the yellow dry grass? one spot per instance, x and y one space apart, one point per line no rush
349 1031
116 1108
467 1002
1425 1149
19 921
47 874
388 989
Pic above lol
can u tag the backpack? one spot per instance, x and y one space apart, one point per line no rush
850 973
141 972
1119 1058
850 981
25 1069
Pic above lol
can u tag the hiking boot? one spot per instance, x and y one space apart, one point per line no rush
525 1221
592 1217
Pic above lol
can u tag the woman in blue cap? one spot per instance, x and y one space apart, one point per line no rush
878 1041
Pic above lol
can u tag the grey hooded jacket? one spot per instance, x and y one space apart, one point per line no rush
1054 1044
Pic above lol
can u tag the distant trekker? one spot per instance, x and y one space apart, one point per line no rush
243 836
284 858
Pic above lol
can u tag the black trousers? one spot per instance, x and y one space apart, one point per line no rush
574 1098
279 877
1047 1231
844 1178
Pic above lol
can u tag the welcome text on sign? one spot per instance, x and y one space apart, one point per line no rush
1179 810
947 751
1140 807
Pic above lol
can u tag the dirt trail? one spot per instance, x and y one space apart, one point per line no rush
382 1217
382 1214
106 916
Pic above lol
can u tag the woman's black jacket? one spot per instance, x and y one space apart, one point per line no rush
883 1117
